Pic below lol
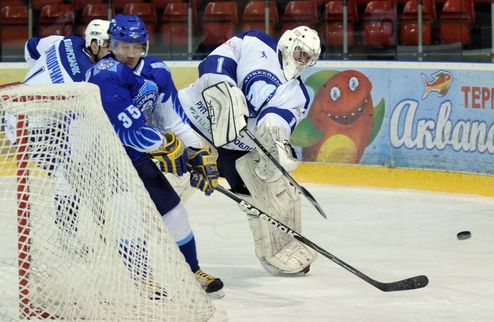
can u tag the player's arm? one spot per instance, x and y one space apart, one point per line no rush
130 123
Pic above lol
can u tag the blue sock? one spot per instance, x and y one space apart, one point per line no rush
188 249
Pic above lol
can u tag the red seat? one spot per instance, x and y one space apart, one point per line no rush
298 13
37 5
81 4
174 26
162 4
14 26
11 3
409 24
56 20
219 22
332 26
119 5
147 13
455 21
94 11
91 12
378 24
254 16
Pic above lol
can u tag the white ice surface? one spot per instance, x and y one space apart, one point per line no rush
387 234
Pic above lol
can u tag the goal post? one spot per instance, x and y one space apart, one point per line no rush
80 238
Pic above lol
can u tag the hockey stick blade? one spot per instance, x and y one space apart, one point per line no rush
403 285
285 173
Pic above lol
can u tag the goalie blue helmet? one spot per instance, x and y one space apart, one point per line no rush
130 29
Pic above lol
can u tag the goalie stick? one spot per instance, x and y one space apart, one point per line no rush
403 285
285 173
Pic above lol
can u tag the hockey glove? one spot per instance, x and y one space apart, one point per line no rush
205 177
172 155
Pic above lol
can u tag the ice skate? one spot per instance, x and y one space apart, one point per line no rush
213 286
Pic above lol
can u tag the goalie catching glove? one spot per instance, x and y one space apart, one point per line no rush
205 176
172 155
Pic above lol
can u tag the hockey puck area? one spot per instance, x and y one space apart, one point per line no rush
462 235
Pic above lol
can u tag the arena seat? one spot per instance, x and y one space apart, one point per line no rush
332 22
147 13
91 12
219 22
38 5
81 4
378 23
119 5
174 26
455 22
14 23
162 4
254 16
298 13
4 3
409 24
57 19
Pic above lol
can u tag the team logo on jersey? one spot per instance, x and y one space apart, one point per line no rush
105 64
259 87
146 98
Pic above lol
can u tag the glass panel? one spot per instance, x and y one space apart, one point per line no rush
450 30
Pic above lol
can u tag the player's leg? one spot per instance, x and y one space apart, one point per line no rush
277 252
272 192
175 218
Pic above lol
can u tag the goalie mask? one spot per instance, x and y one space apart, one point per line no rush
97 30
128 36
298 49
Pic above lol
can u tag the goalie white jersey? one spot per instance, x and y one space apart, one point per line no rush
250 62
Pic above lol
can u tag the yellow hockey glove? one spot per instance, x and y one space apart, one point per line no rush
206 176
172 155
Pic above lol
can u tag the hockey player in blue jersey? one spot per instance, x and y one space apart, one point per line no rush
253 81
134 90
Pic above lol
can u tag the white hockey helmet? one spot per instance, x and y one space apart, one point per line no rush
97 30
299 48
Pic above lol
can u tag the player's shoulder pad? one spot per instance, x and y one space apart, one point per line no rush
261 36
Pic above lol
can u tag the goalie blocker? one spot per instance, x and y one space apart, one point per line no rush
278 253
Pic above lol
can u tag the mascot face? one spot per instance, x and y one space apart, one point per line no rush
342 100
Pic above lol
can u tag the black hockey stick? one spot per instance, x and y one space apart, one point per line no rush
285 173
403 285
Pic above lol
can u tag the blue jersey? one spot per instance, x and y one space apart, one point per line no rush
56 59
128 100
168 113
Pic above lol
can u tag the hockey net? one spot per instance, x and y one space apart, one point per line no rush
80 237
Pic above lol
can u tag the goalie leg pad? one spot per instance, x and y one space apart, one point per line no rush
275 140
279 253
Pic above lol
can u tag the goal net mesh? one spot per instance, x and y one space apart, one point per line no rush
80 238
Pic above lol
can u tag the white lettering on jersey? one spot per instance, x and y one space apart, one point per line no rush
53 66
71 56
